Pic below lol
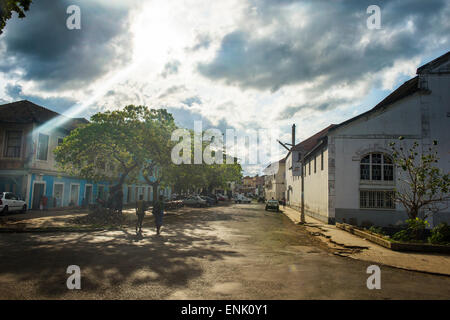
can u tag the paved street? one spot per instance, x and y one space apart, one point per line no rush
229 252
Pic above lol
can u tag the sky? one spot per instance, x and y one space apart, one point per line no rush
234 64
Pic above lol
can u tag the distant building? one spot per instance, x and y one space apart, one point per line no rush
27 162
345 172
275 180
252 185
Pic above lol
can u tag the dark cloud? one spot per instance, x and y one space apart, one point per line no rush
170 68
58 104
191 100
202 41
172 90
328 47
56 57
291 111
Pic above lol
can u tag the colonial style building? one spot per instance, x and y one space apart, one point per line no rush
27 162
346 173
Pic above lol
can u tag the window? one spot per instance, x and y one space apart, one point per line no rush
374 199
377 167
309 168
42 150
315 166
13 144
60 141
321 160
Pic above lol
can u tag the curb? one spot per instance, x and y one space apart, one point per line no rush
397 267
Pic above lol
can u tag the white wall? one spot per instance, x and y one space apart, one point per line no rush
420 117
316 186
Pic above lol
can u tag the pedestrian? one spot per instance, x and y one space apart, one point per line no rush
284 202
140 212
43 203
158 213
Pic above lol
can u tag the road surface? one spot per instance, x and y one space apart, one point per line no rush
227 252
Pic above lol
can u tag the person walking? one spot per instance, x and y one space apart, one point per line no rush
140 212
158 213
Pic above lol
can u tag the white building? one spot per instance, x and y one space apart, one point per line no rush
347 168
274 182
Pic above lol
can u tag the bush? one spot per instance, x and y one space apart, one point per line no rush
402 235
416 228
377 230
440 234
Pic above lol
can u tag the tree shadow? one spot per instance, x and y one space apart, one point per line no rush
111 258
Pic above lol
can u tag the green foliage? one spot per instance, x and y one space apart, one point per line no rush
123 139
402 235
415 231
203 176
423 186
416 228
7 7
377 230
136 141
440 234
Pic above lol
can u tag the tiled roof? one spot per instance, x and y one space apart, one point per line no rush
311 142
28 112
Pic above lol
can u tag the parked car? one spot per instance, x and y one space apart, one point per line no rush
195 201
242 199
209 200
9 202
220 197
272 205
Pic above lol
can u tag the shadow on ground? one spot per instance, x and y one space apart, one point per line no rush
112 258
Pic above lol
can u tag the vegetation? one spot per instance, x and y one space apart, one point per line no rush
135 143
423 187
440 234
7 7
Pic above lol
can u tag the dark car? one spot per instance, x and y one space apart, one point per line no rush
272 205
209 200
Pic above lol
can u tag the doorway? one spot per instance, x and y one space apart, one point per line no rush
88 194
38 192
74 194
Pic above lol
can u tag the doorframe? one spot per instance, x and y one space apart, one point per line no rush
32 192
70 193
62 193
92 191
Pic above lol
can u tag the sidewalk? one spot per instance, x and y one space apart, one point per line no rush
348 245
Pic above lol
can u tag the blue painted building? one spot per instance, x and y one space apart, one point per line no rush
28 167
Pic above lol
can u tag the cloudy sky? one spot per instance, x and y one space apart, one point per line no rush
239 64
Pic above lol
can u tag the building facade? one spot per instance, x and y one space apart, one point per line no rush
28 167
274 182
348 173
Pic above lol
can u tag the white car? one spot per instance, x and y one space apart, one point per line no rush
242 199
9 202
195 201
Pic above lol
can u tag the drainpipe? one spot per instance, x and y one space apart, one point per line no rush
302 212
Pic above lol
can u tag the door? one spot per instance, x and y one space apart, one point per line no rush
38 192
58 195
88 195
74 194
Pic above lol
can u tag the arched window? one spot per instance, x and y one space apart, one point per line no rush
377 167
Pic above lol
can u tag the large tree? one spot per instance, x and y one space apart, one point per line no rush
116 145
7 7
